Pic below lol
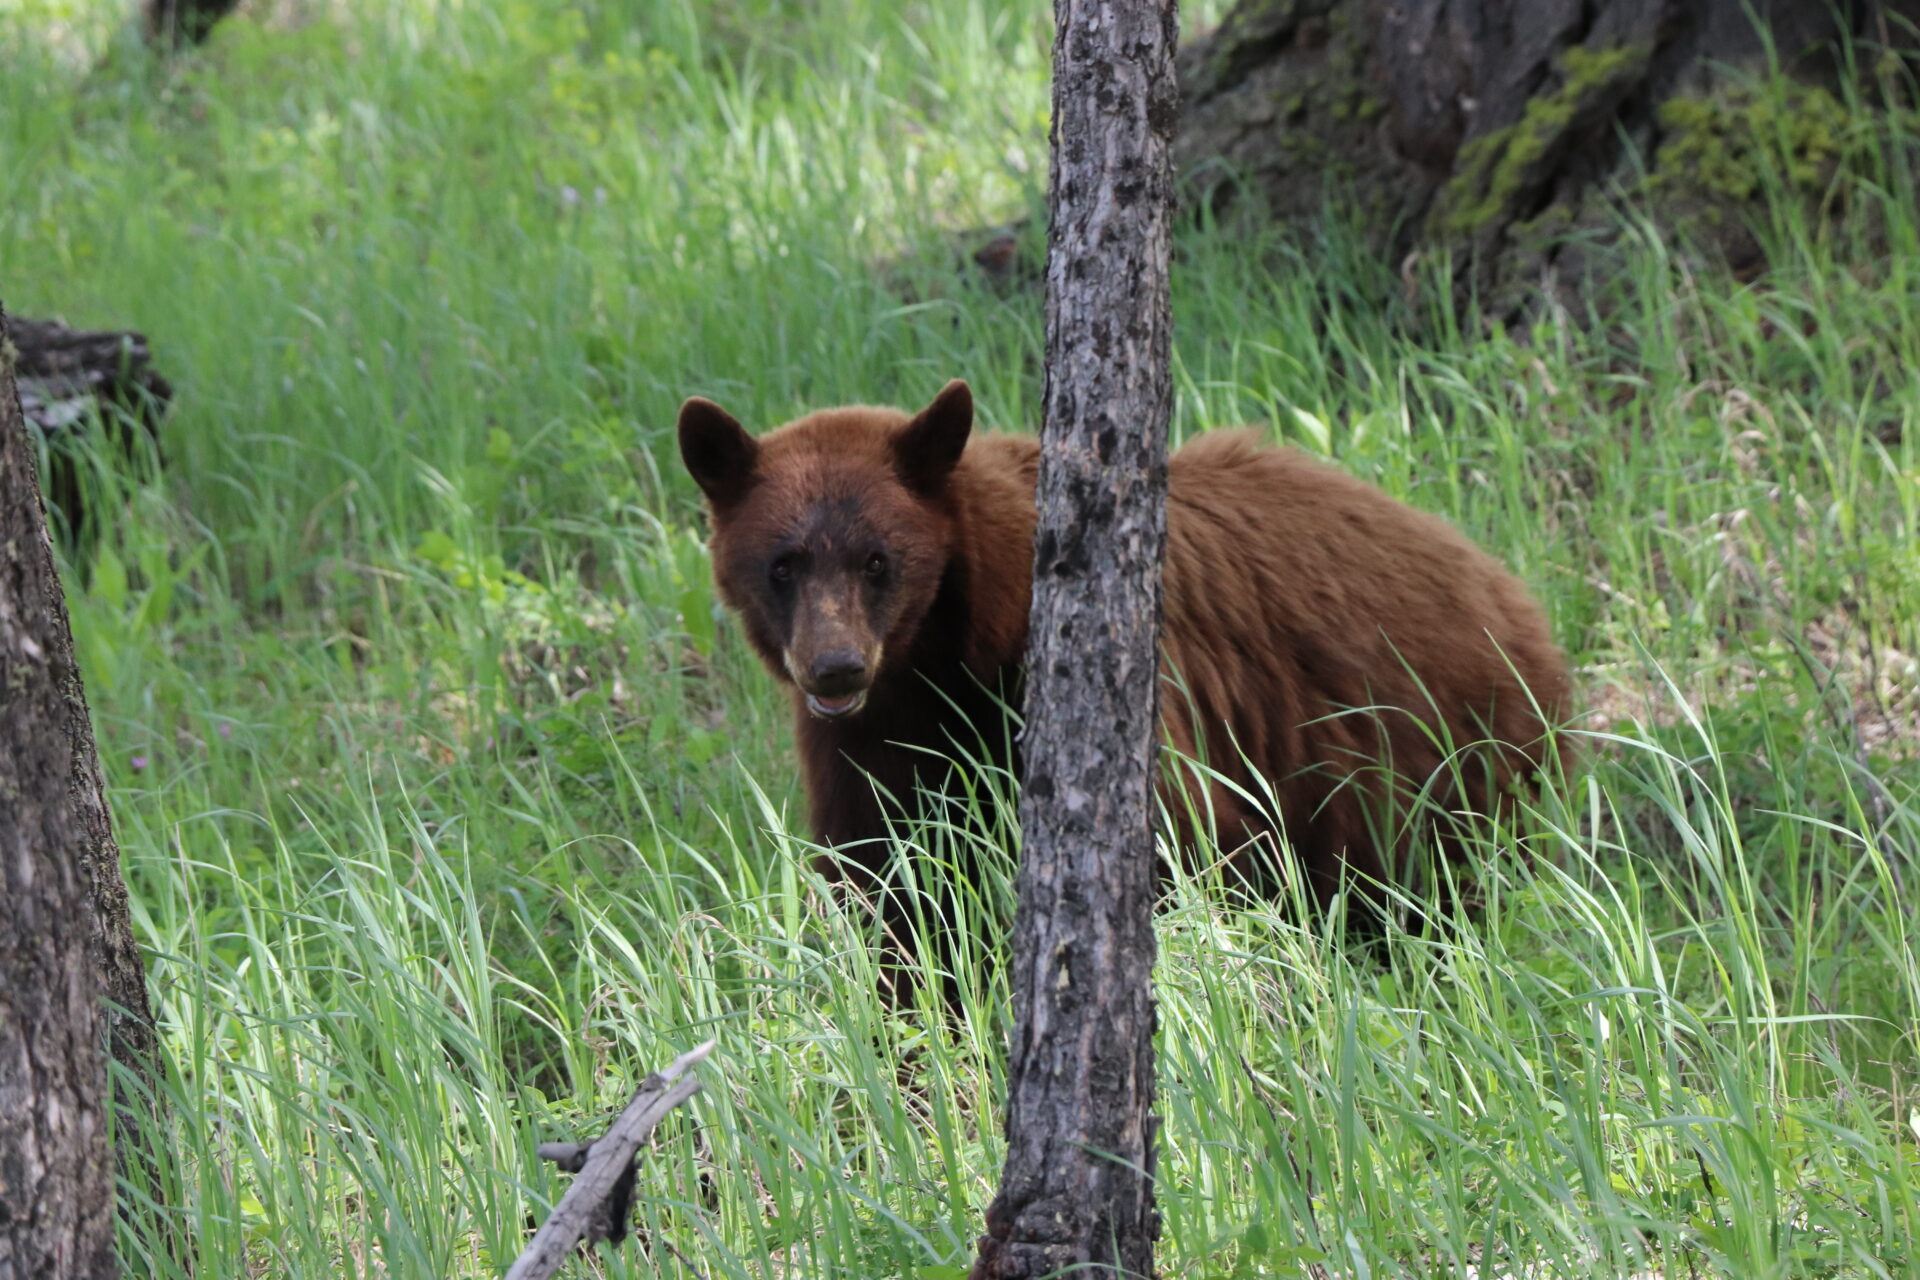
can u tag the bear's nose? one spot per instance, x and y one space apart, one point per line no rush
838 671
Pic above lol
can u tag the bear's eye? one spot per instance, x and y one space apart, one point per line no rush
876 565
782 570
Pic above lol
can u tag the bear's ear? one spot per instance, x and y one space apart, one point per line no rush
719 453
927 449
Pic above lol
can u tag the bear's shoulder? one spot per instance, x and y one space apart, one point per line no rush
1010 456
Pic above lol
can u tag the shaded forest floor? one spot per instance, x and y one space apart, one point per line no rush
449 806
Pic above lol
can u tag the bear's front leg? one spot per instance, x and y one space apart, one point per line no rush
846 779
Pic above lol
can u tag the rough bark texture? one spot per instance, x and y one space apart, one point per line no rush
1499 128
66 376
70 377
75 380
1077 1188
56 1178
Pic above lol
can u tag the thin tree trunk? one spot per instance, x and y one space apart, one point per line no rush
56 1177
1078 1184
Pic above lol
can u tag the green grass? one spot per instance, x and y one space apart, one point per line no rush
449 808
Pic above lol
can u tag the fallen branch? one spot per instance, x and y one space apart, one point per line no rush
596 1205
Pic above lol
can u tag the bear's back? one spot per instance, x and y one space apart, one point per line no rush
1295 593
1295 547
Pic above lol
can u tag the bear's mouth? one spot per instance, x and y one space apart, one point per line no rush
836 708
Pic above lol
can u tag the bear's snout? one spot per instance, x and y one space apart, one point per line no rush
835 681
838 672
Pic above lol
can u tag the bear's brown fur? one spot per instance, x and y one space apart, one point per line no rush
1323 643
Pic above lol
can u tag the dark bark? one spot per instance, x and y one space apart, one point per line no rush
56 1178
67 377
1493 128
1077 1188
73 381
184 21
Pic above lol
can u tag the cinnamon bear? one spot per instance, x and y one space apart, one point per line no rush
1328 652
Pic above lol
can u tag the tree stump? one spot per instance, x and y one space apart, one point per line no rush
73 381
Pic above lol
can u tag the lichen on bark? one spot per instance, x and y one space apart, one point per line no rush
1497 173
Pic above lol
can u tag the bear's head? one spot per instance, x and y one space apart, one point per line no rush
831 534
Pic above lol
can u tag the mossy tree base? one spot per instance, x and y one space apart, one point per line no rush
1499 130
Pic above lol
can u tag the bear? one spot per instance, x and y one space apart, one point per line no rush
1325 648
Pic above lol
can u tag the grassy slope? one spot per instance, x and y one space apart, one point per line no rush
448 808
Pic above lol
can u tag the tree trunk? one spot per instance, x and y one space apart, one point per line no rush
56 1178
1077 1188
64 378
1499 128
180 22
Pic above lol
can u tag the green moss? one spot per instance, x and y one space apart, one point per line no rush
1553 223
1325 103
1493 169
1305 146
1587 72
1725 146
